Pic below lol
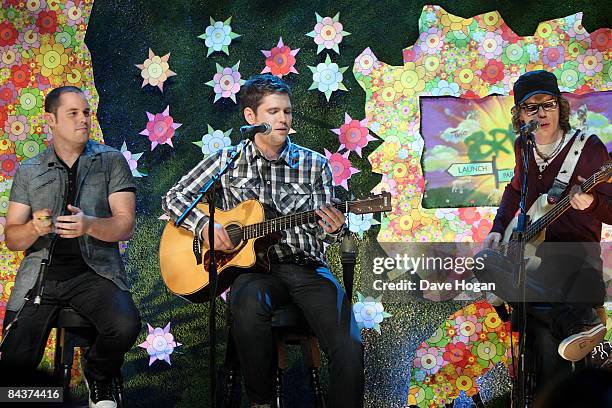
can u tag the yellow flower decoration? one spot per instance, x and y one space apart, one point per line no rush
463 383
544 30
155 70
411 79
52 59
491 19
456 23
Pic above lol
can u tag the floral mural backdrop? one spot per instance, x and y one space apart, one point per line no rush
42 46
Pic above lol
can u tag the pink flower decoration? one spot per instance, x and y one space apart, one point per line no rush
29 38
17 127
353 135
366 62
160 128
341 168
467 329
429 359
553 56
226 82
132 159
159 344
280 60
8 163
590 63
431 41
491 45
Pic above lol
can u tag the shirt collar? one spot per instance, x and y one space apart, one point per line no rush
288 155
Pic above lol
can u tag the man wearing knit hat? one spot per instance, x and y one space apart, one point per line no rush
562 321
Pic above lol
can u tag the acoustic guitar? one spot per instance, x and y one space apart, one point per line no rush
184 270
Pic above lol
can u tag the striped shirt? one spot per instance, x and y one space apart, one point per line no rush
298 180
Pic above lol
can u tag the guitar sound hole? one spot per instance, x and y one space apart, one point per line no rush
235 233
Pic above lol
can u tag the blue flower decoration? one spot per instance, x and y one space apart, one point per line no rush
360 223
369 312
214 140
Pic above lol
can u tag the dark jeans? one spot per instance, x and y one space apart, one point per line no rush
328 312
110 309
547 325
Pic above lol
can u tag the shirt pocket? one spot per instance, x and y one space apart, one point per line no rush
294 198
243 189
93 197
44 190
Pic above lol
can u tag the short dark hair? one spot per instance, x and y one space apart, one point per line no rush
258 86
52 101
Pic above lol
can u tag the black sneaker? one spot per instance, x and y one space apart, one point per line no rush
601 356
101 394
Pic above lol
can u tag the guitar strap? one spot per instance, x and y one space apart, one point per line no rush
568 167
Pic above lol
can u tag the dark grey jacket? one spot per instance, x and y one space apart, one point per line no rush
42 182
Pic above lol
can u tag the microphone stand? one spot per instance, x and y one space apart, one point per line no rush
38 289
518 236
208 191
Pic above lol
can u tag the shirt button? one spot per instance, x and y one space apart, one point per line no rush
540 177
268 182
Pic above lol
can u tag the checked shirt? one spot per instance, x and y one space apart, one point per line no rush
299 180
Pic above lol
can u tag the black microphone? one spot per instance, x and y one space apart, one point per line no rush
532 126
250 130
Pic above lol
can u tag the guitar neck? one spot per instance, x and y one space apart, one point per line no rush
286 222
539 225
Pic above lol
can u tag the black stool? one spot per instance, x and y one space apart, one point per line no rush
290 328
75 330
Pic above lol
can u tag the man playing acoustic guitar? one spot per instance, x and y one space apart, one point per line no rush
567 287
285 178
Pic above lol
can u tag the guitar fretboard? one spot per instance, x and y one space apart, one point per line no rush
285 222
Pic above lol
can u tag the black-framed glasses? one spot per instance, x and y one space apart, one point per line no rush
533 108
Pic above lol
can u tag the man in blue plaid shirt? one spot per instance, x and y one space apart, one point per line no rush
286 179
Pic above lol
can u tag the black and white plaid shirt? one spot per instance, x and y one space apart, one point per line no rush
299 180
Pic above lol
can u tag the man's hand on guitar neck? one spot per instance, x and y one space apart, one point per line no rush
222 240
579 200
331 218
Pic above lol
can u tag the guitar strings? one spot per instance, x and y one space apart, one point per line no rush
537 226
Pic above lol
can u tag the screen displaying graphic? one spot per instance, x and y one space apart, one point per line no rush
469 155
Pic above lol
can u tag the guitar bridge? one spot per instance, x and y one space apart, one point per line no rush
197 250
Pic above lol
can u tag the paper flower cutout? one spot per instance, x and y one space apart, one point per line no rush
280 60
226 82
366 62
341 168
132 159
369 312
218 36
160 128
328 33
327 77
353 134
159 344
155 70
214 140
360 223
